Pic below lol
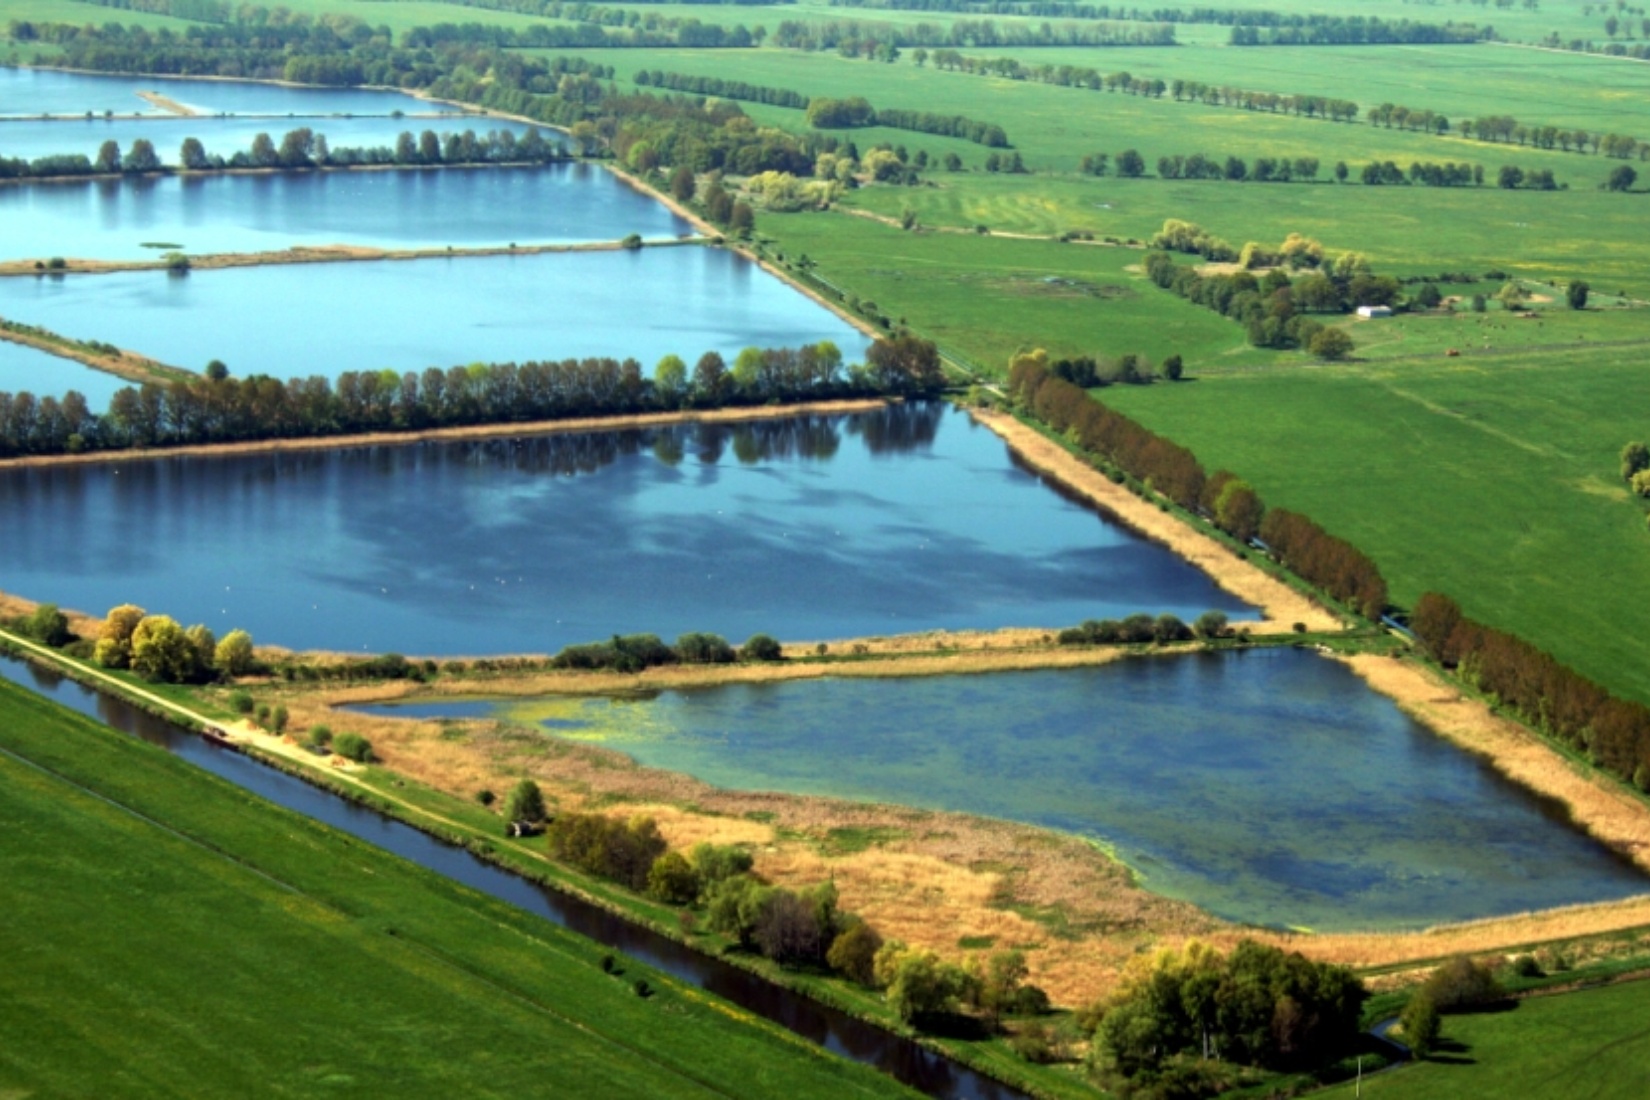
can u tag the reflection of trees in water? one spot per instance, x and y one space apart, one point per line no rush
893 430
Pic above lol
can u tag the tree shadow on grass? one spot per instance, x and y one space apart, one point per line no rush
1451 1053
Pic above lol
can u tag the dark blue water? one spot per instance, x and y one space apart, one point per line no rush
432 208
41 91
23 368
1270 787
835 1031
909 519
301 319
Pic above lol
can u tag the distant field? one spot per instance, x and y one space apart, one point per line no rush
991 296
1463 82
168 935
1404 230
1492 478
1593 1044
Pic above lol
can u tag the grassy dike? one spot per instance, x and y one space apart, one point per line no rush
170 934
475 828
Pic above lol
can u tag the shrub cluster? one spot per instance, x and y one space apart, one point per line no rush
635 652
856 111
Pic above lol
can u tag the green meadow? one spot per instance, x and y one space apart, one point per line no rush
988 297
1593 1044
167 934
1492 477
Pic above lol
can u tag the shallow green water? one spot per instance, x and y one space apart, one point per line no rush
1270 787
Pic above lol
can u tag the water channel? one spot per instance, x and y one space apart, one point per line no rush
1269 787
835 1031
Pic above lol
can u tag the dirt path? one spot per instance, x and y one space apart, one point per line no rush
472 431
1281 605
129 365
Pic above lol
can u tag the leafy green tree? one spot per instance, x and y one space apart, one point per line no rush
854 953
1130 164
710 379
205 645
279 720
1429 296
47 625
1422 1024
1462 984
715 863
352 746
1634 457
673 880
743 219
761 647
108 158
1576 294
1238 509
670 381
192 155
682 183
1210 624
1331 344
233 655
264 153
525 802
1173 368
1622 178
141 157
162 652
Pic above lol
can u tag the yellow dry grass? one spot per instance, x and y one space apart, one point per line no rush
1281 605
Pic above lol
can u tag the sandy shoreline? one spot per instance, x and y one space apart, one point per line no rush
1281 605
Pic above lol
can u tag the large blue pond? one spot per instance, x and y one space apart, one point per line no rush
302 319
116 219
897 521
1269 787
23 369
42 91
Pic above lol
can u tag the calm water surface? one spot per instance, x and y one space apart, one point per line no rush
116 219
32 138
1269 787
905 520
296 320
39 91
25 369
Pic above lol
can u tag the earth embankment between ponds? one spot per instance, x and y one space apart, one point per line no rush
1280 605
468 431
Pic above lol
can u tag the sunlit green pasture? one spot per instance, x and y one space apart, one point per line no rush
1583 234
1492 477
169 935
1462 82
1594 1044
987 297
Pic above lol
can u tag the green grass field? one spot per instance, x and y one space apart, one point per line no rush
988 297
1492 478
169 935
1592 1045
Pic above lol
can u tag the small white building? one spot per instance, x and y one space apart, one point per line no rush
1369 313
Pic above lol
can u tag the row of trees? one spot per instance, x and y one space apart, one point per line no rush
722 89
1505 128
884 40
299 149
856 111
1268 307
1258 1006
1330 563
1141 629
218 408
1358 30
1549 695
635 652
159 650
